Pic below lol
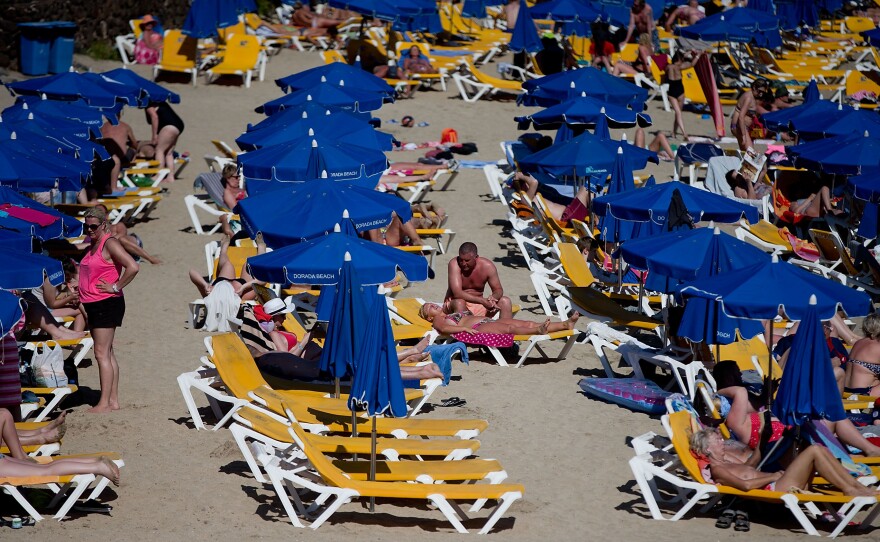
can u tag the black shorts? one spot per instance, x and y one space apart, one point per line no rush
106 313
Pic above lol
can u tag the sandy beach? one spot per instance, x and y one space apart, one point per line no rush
570 452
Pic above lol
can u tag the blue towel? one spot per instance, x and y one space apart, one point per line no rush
441 354
474 164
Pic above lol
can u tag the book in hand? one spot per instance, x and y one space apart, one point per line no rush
752 164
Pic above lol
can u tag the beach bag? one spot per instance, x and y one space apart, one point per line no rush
448 135
47 366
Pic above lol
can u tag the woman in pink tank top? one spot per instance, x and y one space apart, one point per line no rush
103 272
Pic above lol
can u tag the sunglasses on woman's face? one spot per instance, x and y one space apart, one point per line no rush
91 227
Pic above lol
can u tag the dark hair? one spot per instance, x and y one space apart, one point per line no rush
727 374
600 36
467 248
731 178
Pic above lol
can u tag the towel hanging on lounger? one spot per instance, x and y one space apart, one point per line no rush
221 304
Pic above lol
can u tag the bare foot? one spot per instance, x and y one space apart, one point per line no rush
114 405
421 345
543 328
109 470
51 435
261 244
60 333
572 320
57 421
155 260
415 358
98 409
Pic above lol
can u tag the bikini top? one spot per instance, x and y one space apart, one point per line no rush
456 317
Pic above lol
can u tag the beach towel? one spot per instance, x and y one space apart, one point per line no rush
221 304
706 77
29 215
441 354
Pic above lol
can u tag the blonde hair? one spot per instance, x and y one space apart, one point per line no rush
423 311
645 39
871 326
229 170
699 441
96 212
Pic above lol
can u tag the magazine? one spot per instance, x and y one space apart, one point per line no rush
752 164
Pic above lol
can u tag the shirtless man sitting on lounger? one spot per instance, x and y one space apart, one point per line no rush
469 274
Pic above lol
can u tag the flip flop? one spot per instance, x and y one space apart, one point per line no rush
726 519
741 523
92 505
453 402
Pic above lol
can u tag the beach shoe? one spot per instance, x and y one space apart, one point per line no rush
92 505
741 523
453 402
726 519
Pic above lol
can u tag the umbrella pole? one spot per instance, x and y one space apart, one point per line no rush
770 368
373 462
641 294
338 394
619 269
354 428
717 351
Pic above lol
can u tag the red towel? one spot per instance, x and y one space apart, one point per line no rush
28 215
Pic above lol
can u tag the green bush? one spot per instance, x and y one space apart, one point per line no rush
102 50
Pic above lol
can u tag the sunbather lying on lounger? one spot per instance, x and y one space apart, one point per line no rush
734 465
577 209
468 324
243 285
18 464
747 421
64 302
37 315
396 234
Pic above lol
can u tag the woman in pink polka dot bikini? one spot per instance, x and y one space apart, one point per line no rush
479 330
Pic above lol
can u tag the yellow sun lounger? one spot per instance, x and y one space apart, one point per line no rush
336 488
242 57
178 55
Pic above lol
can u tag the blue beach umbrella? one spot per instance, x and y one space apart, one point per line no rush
334 127
317 207
62 127
867 185
349 312
845 154
846 120
77 110
652 203
92 88
332 97
31 172
150 91
872 36
63 226
808 389
317 261
307 109
10 312
759 291
781 120
15 241
811 93
429 23
206 16
477 8
602 131
792 13
566 11
23 271
386 10
715 30
336 74
559 87
307 159
585 110
525 34
586 156
36 135
612 230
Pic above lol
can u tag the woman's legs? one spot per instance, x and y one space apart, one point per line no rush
200 283
525 327
39 314
422 372
166 140
9 436
51 432
848 434
677 104
660 142
11 466
108 369
819 459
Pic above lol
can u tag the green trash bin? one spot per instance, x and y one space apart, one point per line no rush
36 42
61 54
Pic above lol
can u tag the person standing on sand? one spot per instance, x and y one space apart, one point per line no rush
469 274
103 272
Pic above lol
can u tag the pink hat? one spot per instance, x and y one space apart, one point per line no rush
147 20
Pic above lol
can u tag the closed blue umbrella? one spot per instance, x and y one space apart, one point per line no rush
307 159
317 206
808 389
10 312
653 203
586 156
759 291
612 230
559 87
317 261
525 34
602 131
340 98
811 93
23 270
844 154
585 110
150 91
336 74
333 127
349 314
206 16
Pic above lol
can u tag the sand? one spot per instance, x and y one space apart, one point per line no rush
570 452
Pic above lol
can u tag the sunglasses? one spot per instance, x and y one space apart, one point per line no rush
91 227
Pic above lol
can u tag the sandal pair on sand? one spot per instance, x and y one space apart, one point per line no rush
738 518
453 402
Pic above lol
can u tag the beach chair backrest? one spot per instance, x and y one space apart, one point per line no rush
680 423
325 468
332 56
575 266
242 51
858 24
857 81
742 352
235 365
692 89
238 29
238 258
212 184
178 50
135 25
825 245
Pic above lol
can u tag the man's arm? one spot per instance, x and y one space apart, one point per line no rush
672 18
494 282
132 140
629 30
455 285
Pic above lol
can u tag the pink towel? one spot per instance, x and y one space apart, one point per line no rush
28 215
